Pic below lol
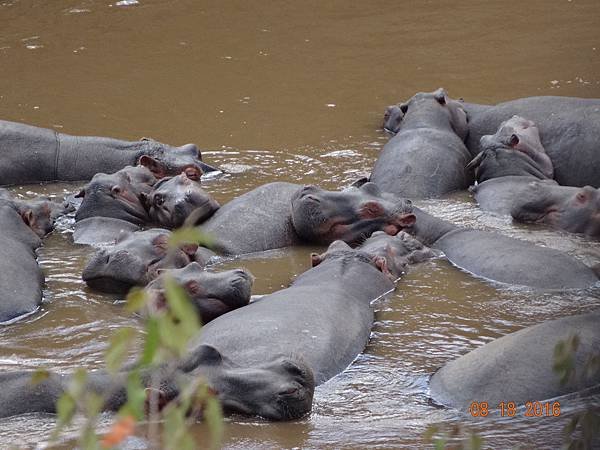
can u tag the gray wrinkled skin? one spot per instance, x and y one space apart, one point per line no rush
501 258
324 317
30 154
212 293
569 128
174 199
281 389
278 215
21 279
101 230
134 260
427 157
117 195
519 366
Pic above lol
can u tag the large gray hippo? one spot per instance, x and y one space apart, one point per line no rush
569 128
427 157
501 258
21 279
279 214
513 173
30 154
518 367
263 359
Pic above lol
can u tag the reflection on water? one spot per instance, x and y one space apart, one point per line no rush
295 92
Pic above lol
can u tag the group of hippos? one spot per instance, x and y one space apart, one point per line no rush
536 159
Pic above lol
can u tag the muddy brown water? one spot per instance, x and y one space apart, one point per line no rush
295 91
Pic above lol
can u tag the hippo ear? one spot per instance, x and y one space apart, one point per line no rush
513 141
193 173
80 194
208 355
381 263
189 249
27 216
338 246
153 165
440 96
403 107
315 259
407 220
193 287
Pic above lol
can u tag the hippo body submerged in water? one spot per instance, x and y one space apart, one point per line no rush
279 214
30 154
513 173
265 358
501 258
568 126
518 367
427 157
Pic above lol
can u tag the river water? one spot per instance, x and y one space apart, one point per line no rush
295 91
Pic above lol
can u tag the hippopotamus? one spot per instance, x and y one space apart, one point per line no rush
427 157
569 127
514 181
518 367
21 279
173 199
30 154
263 359
136 259
398 251
117 195
501 258
281 214
38 213
212 293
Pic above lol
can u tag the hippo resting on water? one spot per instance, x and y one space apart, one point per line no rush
427 157
23 224
30 154
279 214
569 128
518 367
501 258
513 173
265 358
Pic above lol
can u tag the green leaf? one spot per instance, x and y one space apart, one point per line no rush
151 342
189 235
213 415
181 308
39 375
120 342
136 299
65 409
136 396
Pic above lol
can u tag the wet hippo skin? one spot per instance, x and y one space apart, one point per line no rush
31 154
518 367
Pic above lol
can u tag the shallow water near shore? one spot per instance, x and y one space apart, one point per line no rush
295 92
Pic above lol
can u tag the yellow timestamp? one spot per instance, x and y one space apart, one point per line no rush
511 409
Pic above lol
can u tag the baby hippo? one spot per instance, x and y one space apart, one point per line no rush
397 251
172 200
212 293
135 260
117 195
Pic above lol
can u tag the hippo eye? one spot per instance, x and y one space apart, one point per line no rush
289 391
581 197
115 190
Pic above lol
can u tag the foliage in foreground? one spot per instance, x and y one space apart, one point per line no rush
164 341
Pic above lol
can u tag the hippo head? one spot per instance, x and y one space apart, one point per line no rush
164 160
515 149
576 210
392 119
435 107
398 251
135 260
281 389
212 293
117 195
173 200
321 216
40 214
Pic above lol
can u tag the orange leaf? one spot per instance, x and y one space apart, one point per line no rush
121 429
